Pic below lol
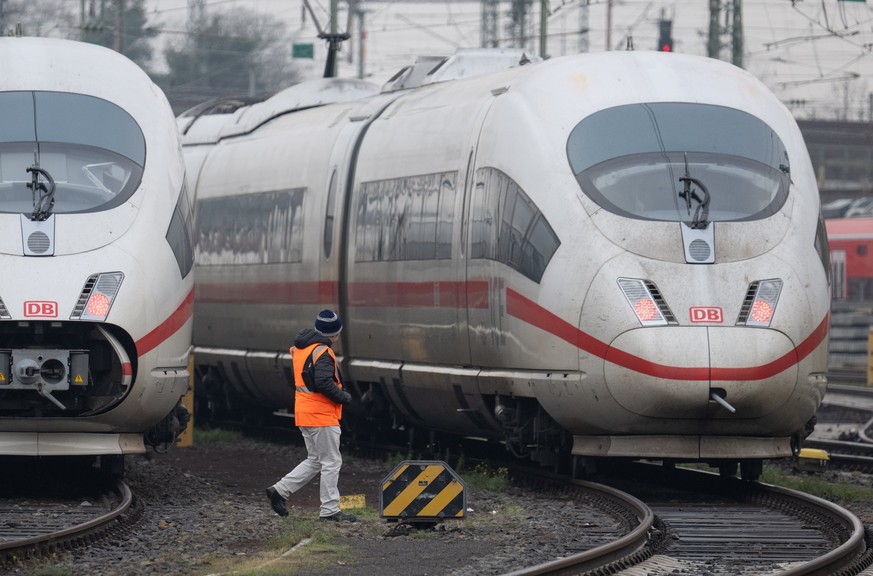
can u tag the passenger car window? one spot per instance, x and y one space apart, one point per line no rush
520 236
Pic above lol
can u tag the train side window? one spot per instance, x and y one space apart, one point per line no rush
410 218
823 248
861 250
483 215
262 228
180 234
329 215
523 240
541 245
445 220
480 221
522 217
425 248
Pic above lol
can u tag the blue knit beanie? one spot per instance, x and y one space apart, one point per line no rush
328 323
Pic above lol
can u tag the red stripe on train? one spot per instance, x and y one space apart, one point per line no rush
535 315
476 295
168 327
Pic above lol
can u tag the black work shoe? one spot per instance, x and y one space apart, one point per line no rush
340 517
277 502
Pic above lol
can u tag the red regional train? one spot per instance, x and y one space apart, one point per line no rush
851 242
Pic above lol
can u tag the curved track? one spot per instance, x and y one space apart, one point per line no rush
845 427
35 527
697 522
628 546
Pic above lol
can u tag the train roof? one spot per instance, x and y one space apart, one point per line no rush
214 120
465 63
583 84
207 124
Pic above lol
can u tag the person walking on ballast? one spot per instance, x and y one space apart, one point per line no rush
318 400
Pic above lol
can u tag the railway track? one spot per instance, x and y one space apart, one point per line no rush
34 527
845 427
717 525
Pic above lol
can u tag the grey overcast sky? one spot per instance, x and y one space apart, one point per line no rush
814 54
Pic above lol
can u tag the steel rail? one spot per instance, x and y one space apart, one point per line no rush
838 558
54 539
860 392
616 551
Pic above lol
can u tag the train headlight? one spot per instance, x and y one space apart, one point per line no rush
98 305
646 302
760 302
97 296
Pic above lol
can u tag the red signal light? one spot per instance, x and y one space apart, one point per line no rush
665 48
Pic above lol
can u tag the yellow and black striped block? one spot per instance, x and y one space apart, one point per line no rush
423 490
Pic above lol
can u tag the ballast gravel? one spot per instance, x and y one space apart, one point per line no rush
205 513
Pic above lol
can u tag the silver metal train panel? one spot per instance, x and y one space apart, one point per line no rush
97 251
627 245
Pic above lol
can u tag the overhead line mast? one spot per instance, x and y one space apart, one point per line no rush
732 11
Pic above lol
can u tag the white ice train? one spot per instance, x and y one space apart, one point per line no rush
605 255
96 294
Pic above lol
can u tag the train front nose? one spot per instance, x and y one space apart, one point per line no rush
680 372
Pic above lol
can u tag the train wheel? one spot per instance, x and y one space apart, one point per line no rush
727 469
112 466
751 470
582 467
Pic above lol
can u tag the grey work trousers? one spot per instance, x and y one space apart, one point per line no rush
323 448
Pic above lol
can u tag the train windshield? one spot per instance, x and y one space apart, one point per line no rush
93 151
653 161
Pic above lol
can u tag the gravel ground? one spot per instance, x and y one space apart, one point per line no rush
206 513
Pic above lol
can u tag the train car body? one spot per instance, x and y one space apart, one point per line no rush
851 243
95 244
615 254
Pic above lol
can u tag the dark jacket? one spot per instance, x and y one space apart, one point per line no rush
324 367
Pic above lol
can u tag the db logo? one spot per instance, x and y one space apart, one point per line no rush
40 309
710 314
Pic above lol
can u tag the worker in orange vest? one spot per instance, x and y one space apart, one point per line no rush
318 400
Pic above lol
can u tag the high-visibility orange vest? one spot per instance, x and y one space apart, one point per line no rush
312 408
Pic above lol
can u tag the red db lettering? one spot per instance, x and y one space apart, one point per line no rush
40 309
709 314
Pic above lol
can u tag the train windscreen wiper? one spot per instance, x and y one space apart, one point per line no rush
701 213
43 196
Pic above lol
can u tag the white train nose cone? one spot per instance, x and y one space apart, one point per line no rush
673 373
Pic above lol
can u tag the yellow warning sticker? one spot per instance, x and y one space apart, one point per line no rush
2 377
78 379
